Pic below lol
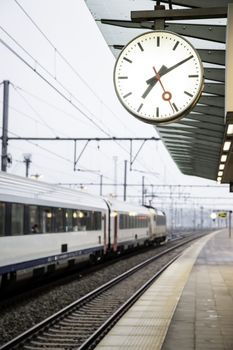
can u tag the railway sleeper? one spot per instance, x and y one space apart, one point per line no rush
46 345
60 335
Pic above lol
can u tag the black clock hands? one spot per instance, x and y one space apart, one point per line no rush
151 82
166 70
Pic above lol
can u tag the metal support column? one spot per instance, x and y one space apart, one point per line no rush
5 124
101 185
125 180
143 189
230 212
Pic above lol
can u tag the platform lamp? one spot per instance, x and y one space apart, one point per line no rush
226 164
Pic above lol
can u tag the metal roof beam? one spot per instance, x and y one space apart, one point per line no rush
199 3
216 33
207 143
217 74
197 156
194 138
196 131
179 14
201 125
193 163
209 110
212 56
210 119
214 88
199 31
217 101
197 150
193 148
189 160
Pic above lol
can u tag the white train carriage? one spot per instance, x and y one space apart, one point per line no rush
44 225
130 225
158 227
133 225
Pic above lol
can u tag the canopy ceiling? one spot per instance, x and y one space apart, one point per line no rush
194 142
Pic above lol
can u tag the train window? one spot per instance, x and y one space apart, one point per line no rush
79 221
130 218
121 221
2 219
69 219
17 219
124 221
46 219
88 217
75 220
96 220
34 221
143 221
59 216
161 220
86 220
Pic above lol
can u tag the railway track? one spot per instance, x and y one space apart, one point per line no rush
83 323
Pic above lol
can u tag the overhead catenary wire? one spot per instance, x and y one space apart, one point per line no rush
55 154
69 93
58 52
49 104
34 110
56 89
68 99
61 55
43 148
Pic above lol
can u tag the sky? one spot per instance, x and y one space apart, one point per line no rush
61 85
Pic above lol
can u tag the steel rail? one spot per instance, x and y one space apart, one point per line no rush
60 315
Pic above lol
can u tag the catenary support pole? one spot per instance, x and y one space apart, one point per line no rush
125 180
5 124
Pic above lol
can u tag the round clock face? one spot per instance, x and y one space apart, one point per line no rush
158 77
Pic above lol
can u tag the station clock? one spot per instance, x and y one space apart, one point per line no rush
158 77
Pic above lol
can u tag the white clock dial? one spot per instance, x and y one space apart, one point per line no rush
158 77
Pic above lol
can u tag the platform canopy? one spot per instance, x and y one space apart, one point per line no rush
195 142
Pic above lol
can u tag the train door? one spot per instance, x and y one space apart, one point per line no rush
112 227
114 224
107 228
104 221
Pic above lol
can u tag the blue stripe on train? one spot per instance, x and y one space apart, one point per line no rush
46 260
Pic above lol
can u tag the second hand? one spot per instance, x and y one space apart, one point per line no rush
166 94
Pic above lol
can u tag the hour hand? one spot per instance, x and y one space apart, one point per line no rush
150 87
152 81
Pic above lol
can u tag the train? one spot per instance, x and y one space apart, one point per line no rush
44 227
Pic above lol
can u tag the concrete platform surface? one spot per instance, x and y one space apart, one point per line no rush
189 307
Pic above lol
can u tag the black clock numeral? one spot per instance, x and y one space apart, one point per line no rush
157 112
126 59
158 40
188 93
122 77
140 46
140 107
129 93
175 107
176 44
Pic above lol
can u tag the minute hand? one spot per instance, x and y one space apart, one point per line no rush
165 71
